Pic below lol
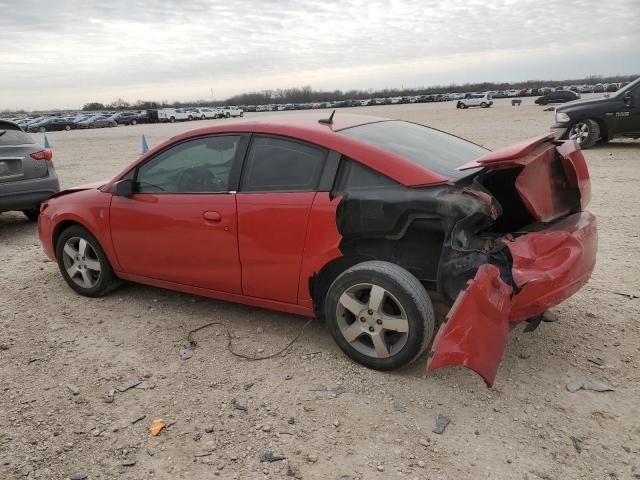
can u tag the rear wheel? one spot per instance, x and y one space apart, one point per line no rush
380 315
83 263
42 129
484 104
585 132
203 117
67 127
134 121
172 119
32 214
228 115
242 114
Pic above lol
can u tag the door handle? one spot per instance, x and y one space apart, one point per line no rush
211 216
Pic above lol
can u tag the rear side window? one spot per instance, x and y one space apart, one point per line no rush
10 136
355 176
435 150
282 165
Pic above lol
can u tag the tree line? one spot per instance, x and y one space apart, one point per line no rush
307 94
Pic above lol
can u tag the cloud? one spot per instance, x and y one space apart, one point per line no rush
65 53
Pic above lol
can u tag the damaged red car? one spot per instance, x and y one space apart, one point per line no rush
400 236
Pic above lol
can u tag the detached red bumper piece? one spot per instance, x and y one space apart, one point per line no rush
548 267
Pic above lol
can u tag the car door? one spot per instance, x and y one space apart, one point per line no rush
627 116
180 225
280 177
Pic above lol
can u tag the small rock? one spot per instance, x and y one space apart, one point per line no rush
380 468
266 428
291 421
577 443
108 398
312 458
421 464
130 462
574 386
73 389
78 476
425 442
129 384
209 429
186 353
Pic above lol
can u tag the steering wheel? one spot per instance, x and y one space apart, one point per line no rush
198 179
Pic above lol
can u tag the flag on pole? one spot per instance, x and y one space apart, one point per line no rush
46 142
145 147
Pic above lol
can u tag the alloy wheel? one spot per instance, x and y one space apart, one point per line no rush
81 262
579 132
372 320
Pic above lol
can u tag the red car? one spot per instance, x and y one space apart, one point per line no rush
374 224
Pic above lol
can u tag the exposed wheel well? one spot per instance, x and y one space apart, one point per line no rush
320 282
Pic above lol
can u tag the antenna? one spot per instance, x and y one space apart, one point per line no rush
327 121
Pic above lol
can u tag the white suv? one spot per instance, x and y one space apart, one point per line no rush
232 112
476 100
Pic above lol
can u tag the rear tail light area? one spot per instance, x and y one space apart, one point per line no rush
45 154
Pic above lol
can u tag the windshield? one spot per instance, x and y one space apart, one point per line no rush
628 87
439 152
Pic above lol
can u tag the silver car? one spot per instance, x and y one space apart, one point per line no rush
27 176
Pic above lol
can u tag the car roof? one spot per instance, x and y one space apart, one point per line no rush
307 127
9 125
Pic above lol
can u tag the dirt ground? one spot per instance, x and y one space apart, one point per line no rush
60 354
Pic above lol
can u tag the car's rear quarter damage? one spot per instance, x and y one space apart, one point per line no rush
497 247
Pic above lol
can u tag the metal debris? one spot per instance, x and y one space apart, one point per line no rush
269 457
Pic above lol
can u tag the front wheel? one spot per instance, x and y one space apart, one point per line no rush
133 122
42 129
228 115
484 104
83 263
172 119
585 132
242 114
380 315
203 117
67 127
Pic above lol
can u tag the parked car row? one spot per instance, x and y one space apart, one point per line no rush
58 122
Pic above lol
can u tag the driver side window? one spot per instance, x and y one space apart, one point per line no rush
202 165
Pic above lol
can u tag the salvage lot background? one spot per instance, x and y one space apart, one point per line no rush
61 353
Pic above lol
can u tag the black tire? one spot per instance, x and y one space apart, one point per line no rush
190 118
134 121
459 105
406 290
42 129
106 281
172 119
32 214
203 117
242 114
228 115
67 127
585 132
484 105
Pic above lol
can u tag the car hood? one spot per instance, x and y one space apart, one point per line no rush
79 188
582 102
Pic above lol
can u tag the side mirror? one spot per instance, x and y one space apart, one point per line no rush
627 97
123 188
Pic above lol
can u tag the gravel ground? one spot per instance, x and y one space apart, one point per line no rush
60 354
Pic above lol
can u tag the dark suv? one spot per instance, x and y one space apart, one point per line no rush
125 118
559 96
602 118
27 176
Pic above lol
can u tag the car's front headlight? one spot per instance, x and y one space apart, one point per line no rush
562 117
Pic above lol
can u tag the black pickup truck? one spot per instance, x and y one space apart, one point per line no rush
601 119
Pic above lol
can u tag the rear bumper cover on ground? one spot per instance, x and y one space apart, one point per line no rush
549 266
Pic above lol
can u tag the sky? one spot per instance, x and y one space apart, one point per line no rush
64 53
